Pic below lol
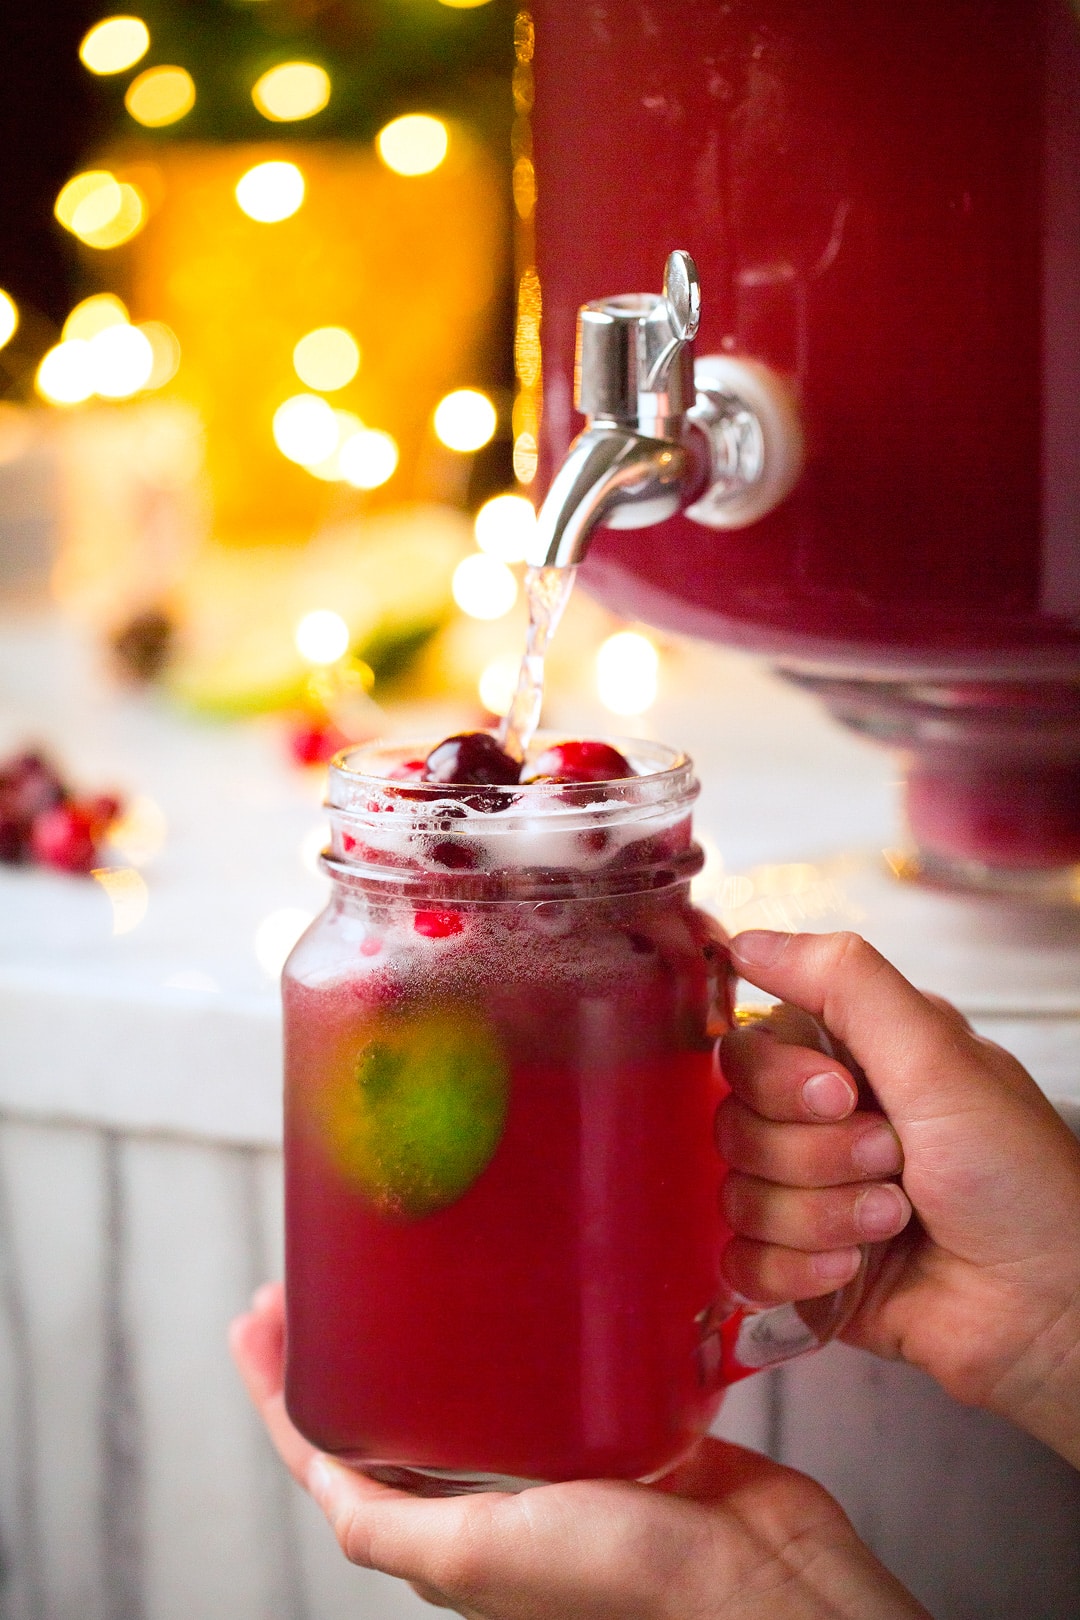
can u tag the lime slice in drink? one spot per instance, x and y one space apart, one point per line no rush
422 1111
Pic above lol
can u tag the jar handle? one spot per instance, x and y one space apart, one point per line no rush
750 1337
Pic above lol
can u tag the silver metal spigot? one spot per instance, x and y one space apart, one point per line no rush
658 437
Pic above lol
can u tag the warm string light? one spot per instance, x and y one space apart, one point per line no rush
483 587
101 210
101 353
160 96
627 672
465 420
291 91
414 144
114 45
9 318
327 358
322 637
505 526
270 192
498 682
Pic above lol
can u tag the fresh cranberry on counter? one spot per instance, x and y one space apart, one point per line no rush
64 837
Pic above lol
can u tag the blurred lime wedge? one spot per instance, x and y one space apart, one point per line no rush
422 1110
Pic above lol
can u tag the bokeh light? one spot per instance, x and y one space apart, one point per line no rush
327 358
114 44
329 469
127 895
368 458
101 210
322 637
121 361
9 318
465 420
484 587
291 91
627 672
93 315
463 5
270 192
413 144
166 352
65 375
505 526
306 429
498 683
160 96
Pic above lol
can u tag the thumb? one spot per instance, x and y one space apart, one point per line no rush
920 1058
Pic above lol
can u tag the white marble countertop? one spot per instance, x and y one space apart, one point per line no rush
172 1025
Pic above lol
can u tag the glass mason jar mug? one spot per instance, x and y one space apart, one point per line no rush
503 1235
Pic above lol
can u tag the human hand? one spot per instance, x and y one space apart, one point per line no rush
729 1536
982 1290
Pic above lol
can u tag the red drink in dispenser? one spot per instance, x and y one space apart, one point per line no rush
884 206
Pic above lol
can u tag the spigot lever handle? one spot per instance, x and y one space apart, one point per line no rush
680 308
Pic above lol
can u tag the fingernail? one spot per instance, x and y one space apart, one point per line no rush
320 1480
757 947
262 1296
837 1265
828 1095
881 1212
877 1151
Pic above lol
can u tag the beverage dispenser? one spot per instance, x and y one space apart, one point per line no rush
846 434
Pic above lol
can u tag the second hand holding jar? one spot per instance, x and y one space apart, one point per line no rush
502 1190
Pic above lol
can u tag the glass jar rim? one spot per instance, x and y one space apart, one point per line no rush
486 842
665 778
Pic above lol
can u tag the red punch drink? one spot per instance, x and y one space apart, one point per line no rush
503 1237
503 1233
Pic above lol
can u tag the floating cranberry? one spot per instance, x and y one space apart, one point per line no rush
471 757
456 854
409 770
438 924
63 837
578 762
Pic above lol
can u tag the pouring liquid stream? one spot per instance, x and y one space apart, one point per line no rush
547 591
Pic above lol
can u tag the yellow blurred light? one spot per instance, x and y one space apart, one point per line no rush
627 670
165 350
504 527
127 894
101 210
65 375
526 458
484 587
292 90
329 468
465 420
327 358
88 201
93 315
413 144
270 191
277 934
498 683
306 429
121 361
368 458
463 5
160 96
322 637
114 44
9 318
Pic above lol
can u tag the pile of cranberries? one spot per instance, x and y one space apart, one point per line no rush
43 822
475 758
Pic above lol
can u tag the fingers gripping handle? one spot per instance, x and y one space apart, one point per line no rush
752 1337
